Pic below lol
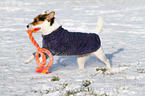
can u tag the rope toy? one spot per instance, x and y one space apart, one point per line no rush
41 68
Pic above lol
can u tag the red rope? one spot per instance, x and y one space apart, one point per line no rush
41 68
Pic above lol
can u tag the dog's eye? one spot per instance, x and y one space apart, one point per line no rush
42 18
35 20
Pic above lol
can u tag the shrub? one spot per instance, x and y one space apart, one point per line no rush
55 78
101 69
86 83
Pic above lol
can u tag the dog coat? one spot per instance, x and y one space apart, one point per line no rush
63 42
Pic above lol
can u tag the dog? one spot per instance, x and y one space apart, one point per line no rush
60 41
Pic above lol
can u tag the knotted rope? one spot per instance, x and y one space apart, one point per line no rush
41 68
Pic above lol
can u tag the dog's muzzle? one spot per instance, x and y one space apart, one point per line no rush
31 26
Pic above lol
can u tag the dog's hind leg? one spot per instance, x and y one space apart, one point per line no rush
100 54
81 60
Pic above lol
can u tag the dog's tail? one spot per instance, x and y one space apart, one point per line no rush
99 26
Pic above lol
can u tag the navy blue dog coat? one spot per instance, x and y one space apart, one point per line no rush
63 42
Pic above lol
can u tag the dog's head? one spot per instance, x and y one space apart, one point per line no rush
45 22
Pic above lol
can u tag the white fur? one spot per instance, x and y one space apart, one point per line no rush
99 25
81 60
44 12
99 54
47 29
29 59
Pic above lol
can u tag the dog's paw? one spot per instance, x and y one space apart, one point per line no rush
29 60
26 62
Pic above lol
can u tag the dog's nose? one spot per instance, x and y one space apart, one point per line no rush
27 26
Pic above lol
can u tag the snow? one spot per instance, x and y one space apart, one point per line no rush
122 38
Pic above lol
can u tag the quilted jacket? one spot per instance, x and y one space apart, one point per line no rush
63 42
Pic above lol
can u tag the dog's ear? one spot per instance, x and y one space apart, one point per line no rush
50 15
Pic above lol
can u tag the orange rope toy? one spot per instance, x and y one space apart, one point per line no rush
41 68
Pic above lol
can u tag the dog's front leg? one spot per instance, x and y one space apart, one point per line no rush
33 57
29 59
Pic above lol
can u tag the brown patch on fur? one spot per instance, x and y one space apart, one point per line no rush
41 18
37 20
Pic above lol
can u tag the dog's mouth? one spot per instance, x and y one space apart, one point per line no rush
36 29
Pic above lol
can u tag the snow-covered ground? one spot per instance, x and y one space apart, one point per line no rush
122 38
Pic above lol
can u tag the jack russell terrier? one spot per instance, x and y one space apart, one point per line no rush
61 42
